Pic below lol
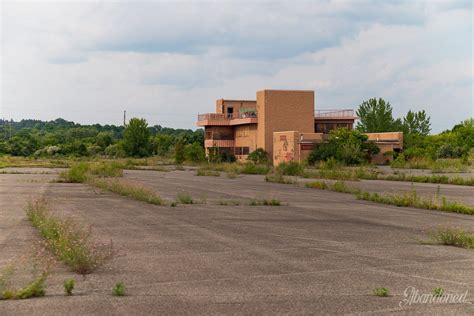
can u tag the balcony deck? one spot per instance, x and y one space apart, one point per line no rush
217 119
226 143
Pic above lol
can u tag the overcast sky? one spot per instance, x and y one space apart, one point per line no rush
168 61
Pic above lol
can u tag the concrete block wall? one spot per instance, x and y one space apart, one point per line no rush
283 110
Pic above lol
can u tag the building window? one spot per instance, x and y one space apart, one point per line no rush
242 132
241 150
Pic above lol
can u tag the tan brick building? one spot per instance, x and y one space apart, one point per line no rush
283 122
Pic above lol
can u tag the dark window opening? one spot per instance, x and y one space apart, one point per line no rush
230 112
241 151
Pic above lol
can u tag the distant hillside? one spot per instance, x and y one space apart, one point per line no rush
62 137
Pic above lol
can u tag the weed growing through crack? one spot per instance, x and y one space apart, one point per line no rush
317 185
449 236
278 177
380 291
408 199
265 202
119 289
438 292
184 198
229 202
69 286
35 289
207 173
411 199
70 241
133 190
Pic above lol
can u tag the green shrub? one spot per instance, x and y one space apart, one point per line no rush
68 286
291 168
179 152
194 152
118 289
258 156
78 173
250 168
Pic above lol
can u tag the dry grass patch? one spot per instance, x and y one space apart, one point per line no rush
207 173
70 241
456 237
129 189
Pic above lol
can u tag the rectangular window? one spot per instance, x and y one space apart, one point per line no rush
307 146
241 151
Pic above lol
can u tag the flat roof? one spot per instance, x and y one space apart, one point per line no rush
283 90
230 100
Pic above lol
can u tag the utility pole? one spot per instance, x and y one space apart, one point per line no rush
124 117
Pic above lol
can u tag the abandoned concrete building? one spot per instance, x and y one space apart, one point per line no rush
285 124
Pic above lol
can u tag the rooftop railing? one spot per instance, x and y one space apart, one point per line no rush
333 113
220 116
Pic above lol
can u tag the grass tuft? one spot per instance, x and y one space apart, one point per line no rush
452 237
278 177
184 198
317 185
380 291
34 289
250 168
438 292
229 202
207 173
265 202
118 289
68 286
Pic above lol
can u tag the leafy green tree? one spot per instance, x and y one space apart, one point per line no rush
259 155
137 138
162 143
417 123
376 116
115 151
104 139
179 152
347 146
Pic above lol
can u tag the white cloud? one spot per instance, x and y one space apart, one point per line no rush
169 61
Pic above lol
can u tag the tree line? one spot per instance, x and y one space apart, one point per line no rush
66 138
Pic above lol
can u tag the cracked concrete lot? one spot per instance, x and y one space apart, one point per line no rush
321 252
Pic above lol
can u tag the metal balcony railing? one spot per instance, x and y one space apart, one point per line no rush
220 117
334 113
